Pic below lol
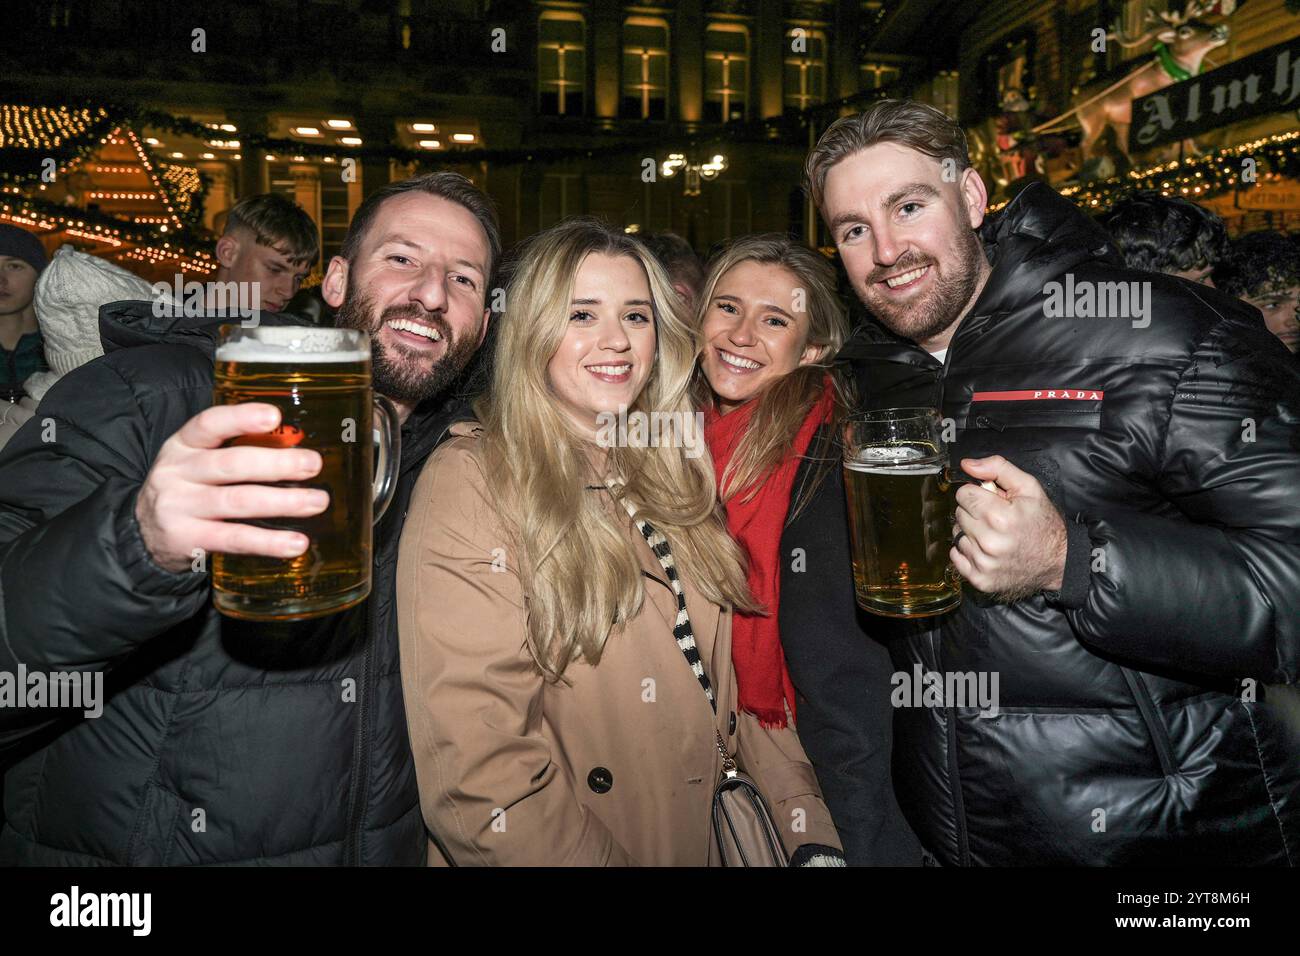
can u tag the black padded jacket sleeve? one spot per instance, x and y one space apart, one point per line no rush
78 590
1218 593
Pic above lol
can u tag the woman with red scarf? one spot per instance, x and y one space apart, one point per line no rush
770 323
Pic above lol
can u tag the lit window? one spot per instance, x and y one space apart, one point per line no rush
561 63
877 76
645 68
805 67
404 18
726 72
60 14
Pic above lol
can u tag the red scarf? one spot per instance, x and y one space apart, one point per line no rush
763 681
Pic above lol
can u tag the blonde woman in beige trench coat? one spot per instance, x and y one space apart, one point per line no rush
553 716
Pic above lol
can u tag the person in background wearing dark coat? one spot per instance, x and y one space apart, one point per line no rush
1131 616
1263 268
1167 234
769 324
223 741
22 259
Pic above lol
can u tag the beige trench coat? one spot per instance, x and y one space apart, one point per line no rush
615 766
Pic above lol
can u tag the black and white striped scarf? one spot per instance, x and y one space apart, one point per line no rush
682 627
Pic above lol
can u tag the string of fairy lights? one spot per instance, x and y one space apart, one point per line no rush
163 194
43 216
186 185
47 127
1200 177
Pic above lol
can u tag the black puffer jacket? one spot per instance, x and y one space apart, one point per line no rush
1126 732
258 730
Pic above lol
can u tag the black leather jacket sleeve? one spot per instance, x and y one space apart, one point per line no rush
1217 591
78 590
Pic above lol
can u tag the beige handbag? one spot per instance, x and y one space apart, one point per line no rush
743 831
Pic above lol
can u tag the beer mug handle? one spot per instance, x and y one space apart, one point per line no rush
955 476
388 453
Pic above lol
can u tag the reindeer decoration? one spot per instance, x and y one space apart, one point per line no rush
1183 40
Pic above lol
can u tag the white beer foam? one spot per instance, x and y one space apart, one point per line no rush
290 344
882 460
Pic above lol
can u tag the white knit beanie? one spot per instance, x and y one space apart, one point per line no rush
68 296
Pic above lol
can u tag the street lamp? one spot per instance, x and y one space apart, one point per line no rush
694 172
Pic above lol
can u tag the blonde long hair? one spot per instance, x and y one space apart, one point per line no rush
784 405
580 572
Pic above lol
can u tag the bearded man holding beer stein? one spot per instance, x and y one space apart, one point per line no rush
1131 563
227 740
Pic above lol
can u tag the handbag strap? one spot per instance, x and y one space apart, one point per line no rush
682 626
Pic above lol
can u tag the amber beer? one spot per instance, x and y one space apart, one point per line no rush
320 380
901 503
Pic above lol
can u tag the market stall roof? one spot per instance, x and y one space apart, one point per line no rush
85 172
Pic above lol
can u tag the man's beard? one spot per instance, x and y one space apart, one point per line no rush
400 373
950 294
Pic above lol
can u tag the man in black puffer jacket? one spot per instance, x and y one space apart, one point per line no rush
1134 583
222 741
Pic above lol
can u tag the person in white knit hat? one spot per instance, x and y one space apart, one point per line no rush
68 295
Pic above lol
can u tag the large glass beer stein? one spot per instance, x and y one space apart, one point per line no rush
901 502
319 378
